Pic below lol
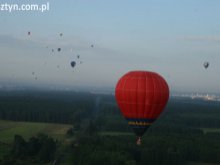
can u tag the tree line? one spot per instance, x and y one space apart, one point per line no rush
177 137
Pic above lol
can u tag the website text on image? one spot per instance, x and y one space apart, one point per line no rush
24 7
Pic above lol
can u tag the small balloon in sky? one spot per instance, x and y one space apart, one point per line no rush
52 50
92 46
78 56
59 49
29 33
73 63
33 73
61 34
206 64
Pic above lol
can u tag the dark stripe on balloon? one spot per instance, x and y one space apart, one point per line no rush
141 120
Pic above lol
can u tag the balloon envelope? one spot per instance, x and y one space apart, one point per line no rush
141 97
206 65
73 63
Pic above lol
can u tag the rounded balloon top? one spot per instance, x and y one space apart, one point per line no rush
141 97
206 64
73 63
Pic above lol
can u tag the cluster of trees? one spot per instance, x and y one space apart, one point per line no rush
47 107
158 148
37 150
175 138
192 113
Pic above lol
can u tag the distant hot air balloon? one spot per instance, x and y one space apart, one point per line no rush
29 33
73 63
61 34
141 97
206 65
58 49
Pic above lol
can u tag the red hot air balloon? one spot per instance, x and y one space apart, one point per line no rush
141 97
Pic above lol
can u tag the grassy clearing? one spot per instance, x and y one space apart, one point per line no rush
27 129
207 130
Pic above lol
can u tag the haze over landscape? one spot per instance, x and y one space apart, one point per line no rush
170 37
60 102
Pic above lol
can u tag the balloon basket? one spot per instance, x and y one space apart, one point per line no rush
138 141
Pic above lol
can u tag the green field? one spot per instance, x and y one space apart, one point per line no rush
207 130
27 129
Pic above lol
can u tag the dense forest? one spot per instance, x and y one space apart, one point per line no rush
187 131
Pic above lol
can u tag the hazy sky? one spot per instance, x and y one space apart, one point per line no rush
173 38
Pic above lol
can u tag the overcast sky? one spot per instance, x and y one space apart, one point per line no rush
173 38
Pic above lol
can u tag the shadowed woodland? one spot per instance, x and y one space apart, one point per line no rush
188 131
